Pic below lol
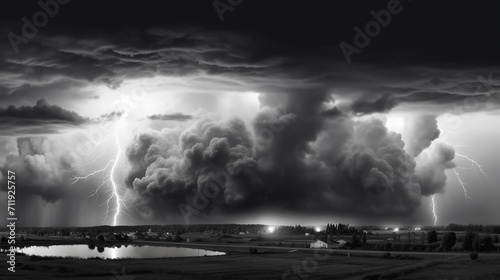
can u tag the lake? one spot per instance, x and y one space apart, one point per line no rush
130 251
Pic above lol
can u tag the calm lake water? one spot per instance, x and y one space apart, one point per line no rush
130 251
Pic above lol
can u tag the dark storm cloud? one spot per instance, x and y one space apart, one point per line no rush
41 118
171 117
65 61
380 105
323 160
312 162
42 111
45 168
167 165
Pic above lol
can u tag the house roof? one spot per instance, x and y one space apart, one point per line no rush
326 241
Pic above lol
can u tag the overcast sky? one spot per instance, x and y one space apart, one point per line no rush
275 112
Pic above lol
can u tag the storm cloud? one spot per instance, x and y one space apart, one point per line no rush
46 168
171 117
265 109
41 118
419 132
309 161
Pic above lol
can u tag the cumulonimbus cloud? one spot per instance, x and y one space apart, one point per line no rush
316 162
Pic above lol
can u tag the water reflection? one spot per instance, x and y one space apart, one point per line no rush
136 252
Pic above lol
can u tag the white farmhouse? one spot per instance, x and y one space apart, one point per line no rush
327 244
319 244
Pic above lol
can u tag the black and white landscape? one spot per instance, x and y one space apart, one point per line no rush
224 125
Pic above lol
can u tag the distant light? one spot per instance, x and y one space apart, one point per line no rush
271 229
396 229
417 228
317 229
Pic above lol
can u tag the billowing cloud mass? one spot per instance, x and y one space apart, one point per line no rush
168 165
431 168
296 158
257 117
44 168
419 132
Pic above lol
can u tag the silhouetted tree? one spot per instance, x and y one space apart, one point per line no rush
487 240
468 240
432 236
476 244
100 238
355 240
449 240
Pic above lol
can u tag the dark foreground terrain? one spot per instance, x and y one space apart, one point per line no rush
266 263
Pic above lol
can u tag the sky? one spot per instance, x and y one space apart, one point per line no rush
272 112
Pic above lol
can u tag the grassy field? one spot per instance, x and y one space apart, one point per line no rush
232 266
269 262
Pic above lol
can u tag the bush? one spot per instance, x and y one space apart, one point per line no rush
449 240
496 239
253 250
432 236
397 247
100 239
386 255
468 241
473 256
177 239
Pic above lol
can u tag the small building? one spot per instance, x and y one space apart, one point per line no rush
152 234
320 244
327 244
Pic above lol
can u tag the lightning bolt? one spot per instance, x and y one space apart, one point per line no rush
107 174
113 183
474 165
434 210
462 184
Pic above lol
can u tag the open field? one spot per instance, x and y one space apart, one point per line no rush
270 262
